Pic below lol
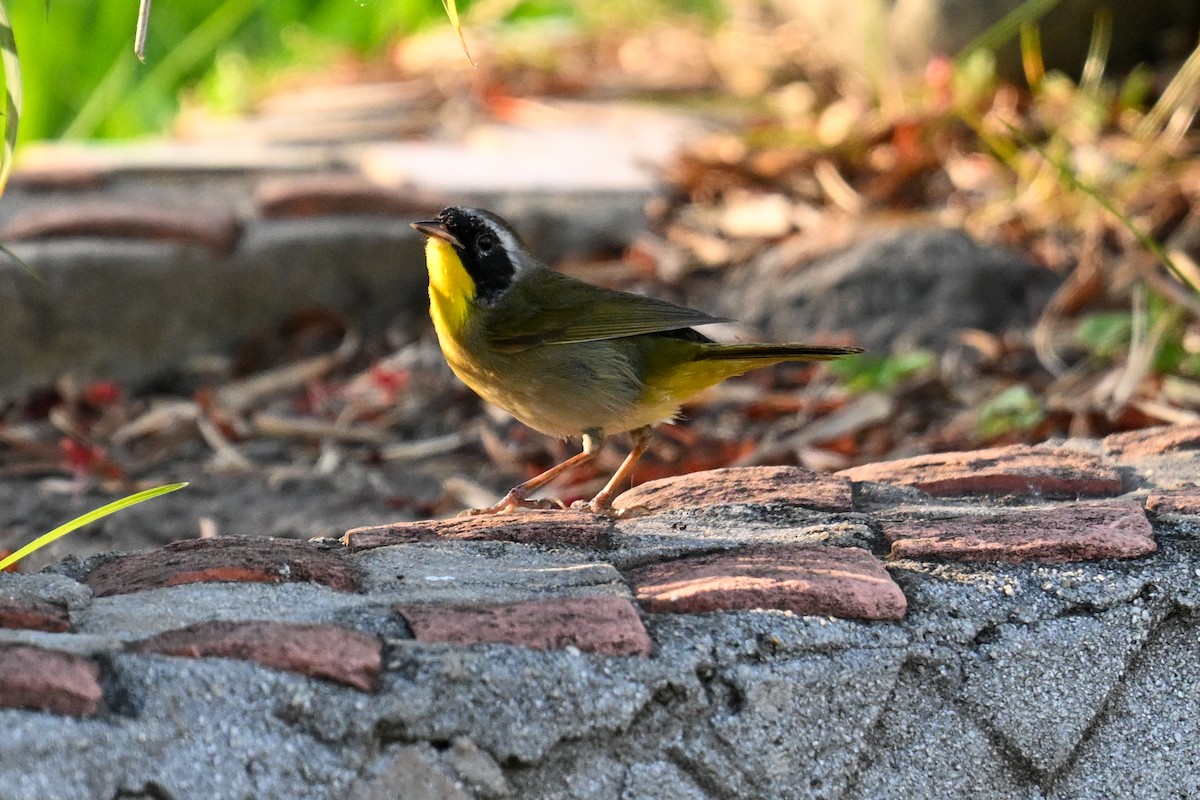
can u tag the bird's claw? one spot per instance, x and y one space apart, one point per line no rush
608 511
512 503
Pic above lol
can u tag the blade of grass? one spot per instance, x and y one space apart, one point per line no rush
1097 56
196 47
1181 97
1008 26
1031 55
4 249
143 27
1072 181
102 99
91 516
200 44
12 95
452 12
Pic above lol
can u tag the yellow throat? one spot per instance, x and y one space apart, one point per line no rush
451 290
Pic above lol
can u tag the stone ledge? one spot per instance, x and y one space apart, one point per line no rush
601 625
48 680
788 486
1075 532
561 528
225 558
212 229
1185 502
339 193
319 651
1018 470
33 613
1153 441
836 581
758 646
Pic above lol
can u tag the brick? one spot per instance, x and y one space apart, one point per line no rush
1075 532
1175 501
604 625
48 680
62 178
212 229
31 613
224 558
1013 470
297 197
561 528
790 486
844 582
1153 441
318 651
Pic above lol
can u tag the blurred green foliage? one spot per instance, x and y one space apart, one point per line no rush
867 373
1108 335
83 81
1015 410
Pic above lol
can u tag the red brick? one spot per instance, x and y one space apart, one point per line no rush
564 528
212 229
604 625
835 581
790 486
1175 501
318 651
64 178
1153 441
338 194
33 614
224 558
48 680
1013 470
1076 532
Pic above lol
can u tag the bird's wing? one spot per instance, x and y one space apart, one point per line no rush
557 309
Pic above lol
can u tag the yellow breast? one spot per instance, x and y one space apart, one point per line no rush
450 295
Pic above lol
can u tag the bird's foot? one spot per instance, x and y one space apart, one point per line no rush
513 501
605 510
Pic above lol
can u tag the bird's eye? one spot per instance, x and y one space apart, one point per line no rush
485 243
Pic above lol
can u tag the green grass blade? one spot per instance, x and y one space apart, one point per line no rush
118 92
1097 56
452 12
4 249
12 95
100 101
1031 55
143 26
1007 27
1072 181
91 516
1179 97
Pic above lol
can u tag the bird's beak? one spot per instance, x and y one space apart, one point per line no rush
436 230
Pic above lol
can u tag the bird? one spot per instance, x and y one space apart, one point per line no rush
565 357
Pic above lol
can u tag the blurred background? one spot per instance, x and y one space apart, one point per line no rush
217 282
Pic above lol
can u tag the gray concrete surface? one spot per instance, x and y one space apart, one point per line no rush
1003 681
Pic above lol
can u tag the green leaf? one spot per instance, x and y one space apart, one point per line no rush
91 516
1105 334
12 95
864 373
1016 408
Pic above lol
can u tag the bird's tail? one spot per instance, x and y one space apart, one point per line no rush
773 352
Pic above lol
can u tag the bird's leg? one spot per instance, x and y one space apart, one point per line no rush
592 442
602 502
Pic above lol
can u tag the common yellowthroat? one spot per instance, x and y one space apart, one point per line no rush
565 357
